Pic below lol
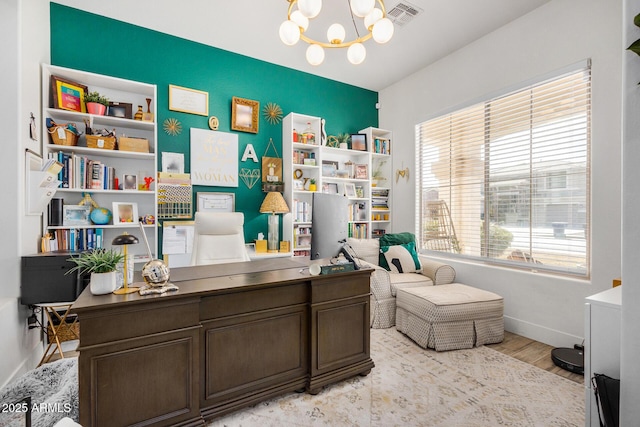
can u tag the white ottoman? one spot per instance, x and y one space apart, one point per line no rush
450 317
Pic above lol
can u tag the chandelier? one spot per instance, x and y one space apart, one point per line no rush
378 27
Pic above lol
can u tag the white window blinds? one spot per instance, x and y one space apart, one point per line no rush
507 180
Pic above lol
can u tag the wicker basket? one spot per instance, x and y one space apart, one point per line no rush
70 138
104 142
68 332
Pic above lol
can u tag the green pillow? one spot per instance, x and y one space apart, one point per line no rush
402 258
391 239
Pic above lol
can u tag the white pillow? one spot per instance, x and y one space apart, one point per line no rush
402 258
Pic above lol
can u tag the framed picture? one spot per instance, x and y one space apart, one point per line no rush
187 100
125 213
362 172
130 182
359 191
244 115
330 188
68 95
329 168
76 215
215 202
123 110
350 190
359 141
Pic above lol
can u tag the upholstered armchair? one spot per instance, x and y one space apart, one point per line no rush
384 283
219 238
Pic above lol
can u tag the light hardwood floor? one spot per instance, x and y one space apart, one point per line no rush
534 353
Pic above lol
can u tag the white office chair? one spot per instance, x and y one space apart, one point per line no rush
219 238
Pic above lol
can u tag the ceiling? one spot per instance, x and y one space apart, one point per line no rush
250 27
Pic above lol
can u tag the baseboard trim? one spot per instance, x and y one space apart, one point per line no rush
540 333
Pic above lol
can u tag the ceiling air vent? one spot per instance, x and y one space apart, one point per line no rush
402 13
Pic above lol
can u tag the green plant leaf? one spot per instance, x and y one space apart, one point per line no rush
636 20
635 47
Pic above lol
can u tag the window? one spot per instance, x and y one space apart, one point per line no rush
507 180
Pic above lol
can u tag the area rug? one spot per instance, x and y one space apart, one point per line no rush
410 386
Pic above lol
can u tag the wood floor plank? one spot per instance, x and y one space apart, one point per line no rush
534 353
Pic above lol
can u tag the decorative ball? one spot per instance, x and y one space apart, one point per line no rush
155 273
100 216
148 219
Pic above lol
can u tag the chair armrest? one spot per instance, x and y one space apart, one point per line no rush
440 273
380 282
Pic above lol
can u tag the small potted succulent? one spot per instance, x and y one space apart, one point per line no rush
102 264
96 103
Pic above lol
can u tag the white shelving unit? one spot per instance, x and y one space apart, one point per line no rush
344 171
124 162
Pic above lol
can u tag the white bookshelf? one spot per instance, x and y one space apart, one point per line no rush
334 170
124 162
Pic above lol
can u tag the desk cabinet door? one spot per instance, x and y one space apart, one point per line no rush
340 339
145 381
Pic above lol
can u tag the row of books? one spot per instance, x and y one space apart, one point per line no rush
376 233
382 146
380 203
358 211
302 157
73 239
301 211
84 173
359 231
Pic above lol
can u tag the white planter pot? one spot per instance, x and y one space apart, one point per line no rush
103 283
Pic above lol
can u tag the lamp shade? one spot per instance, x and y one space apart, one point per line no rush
125 239
274 203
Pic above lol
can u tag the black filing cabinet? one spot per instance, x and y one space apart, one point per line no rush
45 279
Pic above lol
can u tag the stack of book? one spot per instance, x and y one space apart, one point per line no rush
73 239
84 173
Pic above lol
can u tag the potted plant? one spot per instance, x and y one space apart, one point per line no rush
312 185
343 140
96 103
102 264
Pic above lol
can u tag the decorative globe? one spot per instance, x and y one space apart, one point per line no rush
155 273
100 216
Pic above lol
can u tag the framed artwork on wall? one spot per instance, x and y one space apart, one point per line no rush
187 100
215 202
244 115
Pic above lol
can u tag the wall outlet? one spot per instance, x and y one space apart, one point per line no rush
32 322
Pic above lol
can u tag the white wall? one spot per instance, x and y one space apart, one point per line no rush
560 33
24 34
630 338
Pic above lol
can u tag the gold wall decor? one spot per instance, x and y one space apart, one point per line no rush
244 115
272 113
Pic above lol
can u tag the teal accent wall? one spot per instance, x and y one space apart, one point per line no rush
93 43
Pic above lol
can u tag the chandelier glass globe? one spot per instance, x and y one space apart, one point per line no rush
382 30
361 8
301 20
336 34
289 33
310 8
374 16
356 53
315 54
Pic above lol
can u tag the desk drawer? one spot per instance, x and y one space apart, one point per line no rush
250 301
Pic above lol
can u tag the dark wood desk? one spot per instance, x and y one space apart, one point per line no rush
232 336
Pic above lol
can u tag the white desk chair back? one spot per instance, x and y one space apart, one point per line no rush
219 238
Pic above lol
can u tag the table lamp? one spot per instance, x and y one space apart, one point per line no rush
125 239
274 204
